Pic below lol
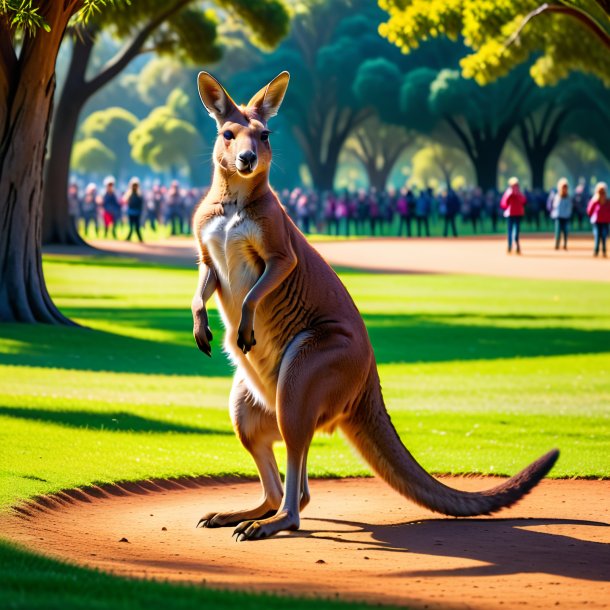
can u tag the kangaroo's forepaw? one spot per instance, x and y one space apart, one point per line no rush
257 530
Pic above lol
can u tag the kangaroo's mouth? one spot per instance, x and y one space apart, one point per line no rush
245 169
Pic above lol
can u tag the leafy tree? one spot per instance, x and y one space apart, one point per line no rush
378 147
90 156
186 29
563 35
328 41
111 127
30 36
163 140
435 163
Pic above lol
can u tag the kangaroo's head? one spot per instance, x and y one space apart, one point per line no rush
242 145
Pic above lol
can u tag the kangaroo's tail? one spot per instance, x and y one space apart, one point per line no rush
373 434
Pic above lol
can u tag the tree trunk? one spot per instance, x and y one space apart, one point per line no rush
25 129
486 166
58 227
537 162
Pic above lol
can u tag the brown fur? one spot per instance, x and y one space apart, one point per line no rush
303 357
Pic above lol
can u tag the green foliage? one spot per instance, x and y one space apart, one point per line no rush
110 126
438 166
90 156
163 141
559 43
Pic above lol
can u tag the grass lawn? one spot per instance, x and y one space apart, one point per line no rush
480 375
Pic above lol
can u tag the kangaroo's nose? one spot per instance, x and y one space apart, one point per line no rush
247 157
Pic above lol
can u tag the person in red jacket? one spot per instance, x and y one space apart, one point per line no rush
513 203
599 213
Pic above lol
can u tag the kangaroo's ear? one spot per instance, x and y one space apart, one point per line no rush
214 97
268 100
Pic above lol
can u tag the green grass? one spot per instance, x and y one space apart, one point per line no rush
480 375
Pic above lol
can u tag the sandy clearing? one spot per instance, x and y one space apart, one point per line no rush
359 540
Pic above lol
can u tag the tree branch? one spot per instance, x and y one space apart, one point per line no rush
584 18
461 134
131 49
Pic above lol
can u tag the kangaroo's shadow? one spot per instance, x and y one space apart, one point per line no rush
505 546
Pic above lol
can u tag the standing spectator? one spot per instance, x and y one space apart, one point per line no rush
175 208
452 209
111 207
373 212
513 203
135 204
303 213
330 212
423 207
74 204
579 204
342 212
491 208
599 213
561 212
477 203
190 202
154 204
90 208
402 208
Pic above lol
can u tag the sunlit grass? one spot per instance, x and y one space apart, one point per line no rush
479 374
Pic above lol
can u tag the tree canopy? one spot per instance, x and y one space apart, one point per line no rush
563 36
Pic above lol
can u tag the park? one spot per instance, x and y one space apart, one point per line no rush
115 434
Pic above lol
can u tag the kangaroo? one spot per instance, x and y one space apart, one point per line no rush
303 358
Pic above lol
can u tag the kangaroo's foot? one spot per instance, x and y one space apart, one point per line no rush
256 530
235 517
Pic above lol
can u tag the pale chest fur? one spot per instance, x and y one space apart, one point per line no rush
232 240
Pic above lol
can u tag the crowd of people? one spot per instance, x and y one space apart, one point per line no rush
105 209
404 212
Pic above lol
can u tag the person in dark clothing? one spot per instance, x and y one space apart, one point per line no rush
452 209
477 202
135 204
423 208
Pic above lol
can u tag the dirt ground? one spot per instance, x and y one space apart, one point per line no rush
359 540
473 255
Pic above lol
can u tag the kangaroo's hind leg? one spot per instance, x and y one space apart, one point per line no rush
317 381
257 429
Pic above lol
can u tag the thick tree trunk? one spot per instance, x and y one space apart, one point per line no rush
486 166
24 131
58 227
537 162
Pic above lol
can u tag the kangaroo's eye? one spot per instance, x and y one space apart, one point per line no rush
228 135
265 136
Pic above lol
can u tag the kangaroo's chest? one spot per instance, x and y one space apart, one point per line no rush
232 239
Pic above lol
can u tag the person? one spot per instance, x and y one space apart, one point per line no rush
74 204
154 204
452 209
135 203
330 213
90 208
111 207
477 202
423 207
491 208
561 212
402 207
303 213
513 203
579 204
598 211
175 208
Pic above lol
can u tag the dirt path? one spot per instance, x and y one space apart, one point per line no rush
358 540
472 255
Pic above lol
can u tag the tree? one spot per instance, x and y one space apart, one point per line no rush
183 28
30 37
328 41
163 140
434 163
110 127
90 156
378 147
563 35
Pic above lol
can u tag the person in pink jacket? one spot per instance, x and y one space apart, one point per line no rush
599 213
513 203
